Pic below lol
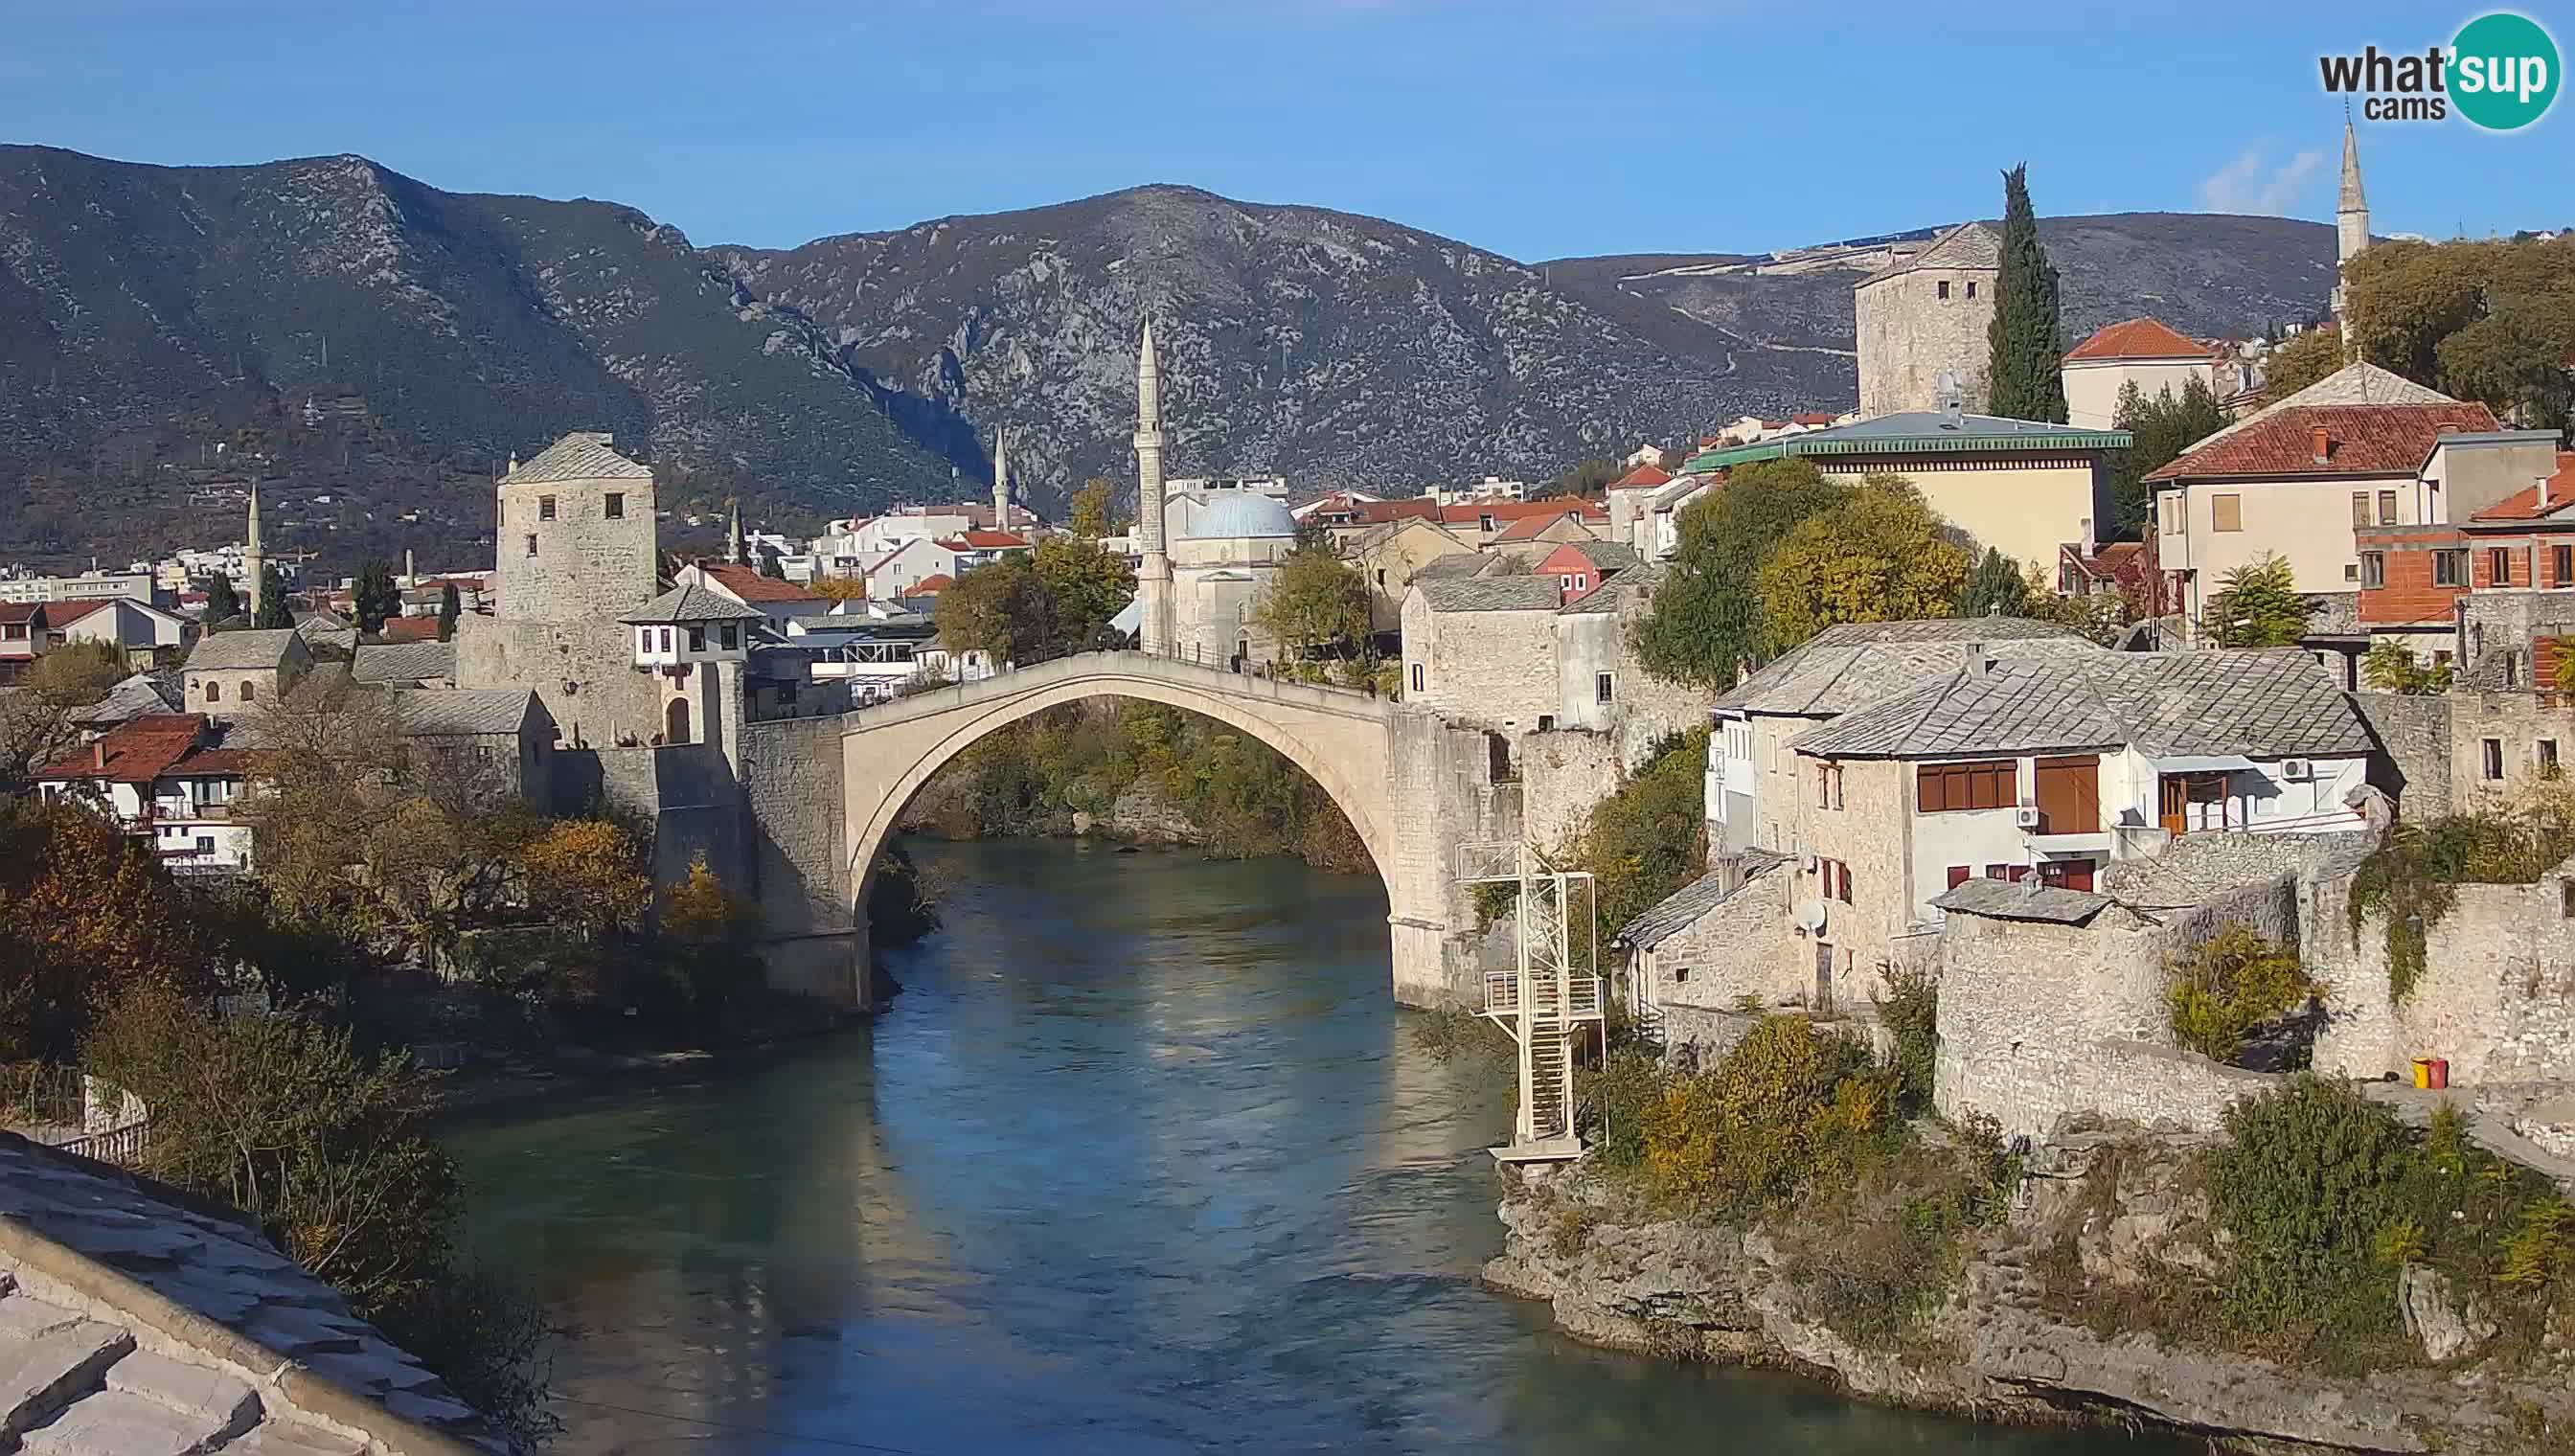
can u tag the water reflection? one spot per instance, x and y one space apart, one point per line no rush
1140 1161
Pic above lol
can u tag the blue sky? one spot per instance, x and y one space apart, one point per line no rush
1535 130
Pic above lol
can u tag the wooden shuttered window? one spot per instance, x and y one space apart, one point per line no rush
1943 788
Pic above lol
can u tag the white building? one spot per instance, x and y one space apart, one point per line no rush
165 778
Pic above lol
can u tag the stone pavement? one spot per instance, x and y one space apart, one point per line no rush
138 1321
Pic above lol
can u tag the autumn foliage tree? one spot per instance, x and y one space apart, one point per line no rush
1316 603
1706 627
1881 555
592 874
85 914
2301 361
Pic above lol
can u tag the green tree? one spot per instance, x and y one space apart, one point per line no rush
222 602
1646 840
272 611
76 675
1586 477
1085 585
2164 426
1996 587
2026 350
1706 625
2391 667
1316 601
377 597
1881 555
2258 605
1091 507
449 609
1004 610
2305 359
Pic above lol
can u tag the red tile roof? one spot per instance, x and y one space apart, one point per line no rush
748 585
2538 499
1643 476
1531 528
134 751
1819 418
932 584
2373 439
1475 510
2139 339
980 540
1377 513
409 629
64 614
20 611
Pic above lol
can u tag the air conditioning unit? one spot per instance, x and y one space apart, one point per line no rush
2026 817
2297 768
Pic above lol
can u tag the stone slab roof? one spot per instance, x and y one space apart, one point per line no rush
1491 593
2266 705
1967 246
144 693
455 711
135 1319
241 651
2030 899
584 455
1683 907
689 601
403 663
1843 666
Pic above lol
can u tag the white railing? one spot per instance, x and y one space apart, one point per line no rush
61 1108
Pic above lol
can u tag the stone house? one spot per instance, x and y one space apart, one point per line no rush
500 738
230 671
1483 521
2024 487
1701 964
2053 769
1925 314
1583 567
1482 649
2294 480
168 779
1391 554
1752 785
2142 352
429 663
1631 497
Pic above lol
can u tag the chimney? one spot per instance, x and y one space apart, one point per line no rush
1979 664
2323 445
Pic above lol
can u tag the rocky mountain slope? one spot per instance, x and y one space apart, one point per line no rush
148 312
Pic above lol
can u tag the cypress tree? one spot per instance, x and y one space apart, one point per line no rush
449 607
2026 352
272 611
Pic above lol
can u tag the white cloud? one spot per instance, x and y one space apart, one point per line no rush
2250 184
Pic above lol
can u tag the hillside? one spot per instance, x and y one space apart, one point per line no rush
149 315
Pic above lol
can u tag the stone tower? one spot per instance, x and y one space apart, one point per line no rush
1001 480
2351 231
1153 575
254 561
1928 310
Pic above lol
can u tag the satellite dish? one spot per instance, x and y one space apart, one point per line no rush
1811 916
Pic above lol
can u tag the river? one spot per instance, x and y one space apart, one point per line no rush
1143 1159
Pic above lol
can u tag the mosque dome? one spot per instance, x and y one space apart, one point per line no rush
1236 514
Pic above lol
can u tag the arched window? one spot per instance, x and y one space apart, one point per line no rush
214 690
675 721
249 691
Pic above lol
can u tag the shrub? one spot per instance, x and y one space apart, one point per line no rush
2411 878
1910 1012
1788 1104
2234 982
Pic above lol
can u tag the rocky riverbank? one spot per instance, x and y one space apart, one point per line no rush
2045 1322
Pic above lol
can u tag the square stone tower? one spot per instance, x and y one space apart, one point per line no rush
1927 311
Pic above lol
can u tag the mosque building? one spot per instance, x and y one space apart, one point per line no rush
1196 590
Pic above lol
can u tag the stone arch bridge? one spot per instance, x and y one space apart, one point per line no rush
1412 785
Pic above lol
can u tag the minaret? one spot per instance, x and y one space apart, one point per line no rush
733 534
254 561
1154 577
1001 480
2351 231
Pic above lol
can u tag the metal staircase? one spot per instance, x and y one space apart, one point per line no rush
1541 1001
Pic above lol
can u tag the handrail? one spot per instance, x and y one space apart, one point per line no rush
919 687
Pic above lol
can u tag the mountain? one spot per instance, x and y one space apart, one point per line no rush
380 346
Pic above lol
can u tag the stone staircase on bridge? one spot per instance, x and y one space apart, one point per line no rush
1543 1001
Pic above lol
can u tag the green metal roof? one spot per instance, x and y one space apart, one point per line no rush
1855 440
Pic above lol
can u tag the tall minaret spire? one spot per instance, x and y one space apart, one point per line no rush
1001 480
1153 575
254 561
2351 231
733 536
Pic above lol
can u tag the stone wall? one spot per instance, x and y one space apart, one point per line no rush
2413 765
1441 784
1487 668
1563 774
583 672
585 564
815 938
1909 334
2518 722
2496 997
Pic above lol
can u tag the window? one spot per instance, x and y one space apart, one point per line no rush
1416 677
2566 899
1680 973
696 639
732 637
2493 764
2545 753
1485 523
205 844
614 510
2360 507
665 639
1944 290
1971 288
545 508
2008 873
2387 508
2350 570
2373 569
1833 880
1947 787
2499 567
1380 579
2226 513
2172 513
1960 874
1547 723
250 691
1604 686
1828 785
2561 564
532 543
214 691
2449 569
1582 581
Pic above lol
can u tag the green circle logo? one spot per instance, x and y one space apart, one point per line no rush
2503 71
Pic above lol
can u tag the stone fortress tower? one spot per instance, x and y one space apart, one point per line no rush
575 550
1154 574
1927 311
2351 233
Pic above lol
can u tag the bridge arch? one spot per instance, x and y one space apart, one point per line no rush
1343 740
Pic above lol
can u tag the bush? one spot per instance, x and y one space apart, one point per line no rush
2234 984
1910 1012
1787 1105
1649 838
2411 878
